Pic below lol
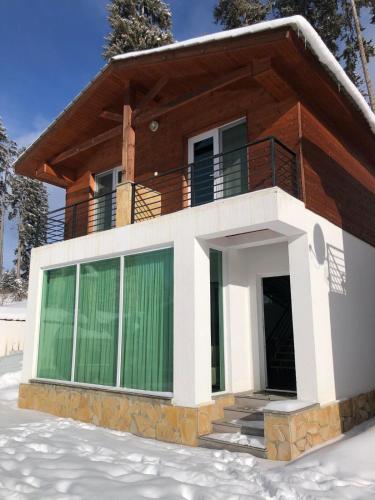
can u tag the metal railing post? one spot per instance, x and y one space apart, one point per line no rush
74 221
132 215
273 161
297 177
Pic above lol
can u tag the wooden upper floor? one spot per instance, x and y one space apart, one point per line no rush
193 122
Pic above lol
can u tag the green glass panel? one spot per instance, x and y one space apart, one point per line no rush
97 325
147 357
217 330
56 324
234 162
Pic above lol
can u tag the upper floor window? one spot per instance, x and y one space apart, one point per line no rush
218 160
105 207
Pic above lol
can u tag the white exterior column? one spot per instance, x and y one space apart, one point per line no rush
31 328
239 341
311 324
192 323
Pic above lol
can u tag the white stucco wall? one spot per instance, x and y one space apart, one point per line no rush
334 330
342 277
246 268
333 284
11 336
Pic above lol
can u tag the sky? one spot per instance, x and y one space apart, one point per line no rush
51 49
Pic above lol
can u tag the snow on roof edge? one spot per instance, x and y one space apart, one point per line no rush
298 24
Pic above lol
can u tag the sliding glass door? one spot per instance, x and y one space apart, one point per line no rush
202 151
234 159
218 163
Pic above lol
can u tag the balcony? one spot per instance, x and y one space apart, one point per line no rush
258 165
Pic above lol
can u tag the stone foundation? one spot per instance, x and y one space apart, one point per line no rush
146 416
288 435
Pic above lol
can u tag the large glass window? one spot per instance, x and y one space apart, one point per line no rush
85 331
97 325
217 330
148 322
105 204
57 324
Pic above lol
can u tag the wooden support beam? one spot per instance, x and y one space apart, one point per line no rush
266 74
128 134
151 94
59 177
105 136
110 115
201 91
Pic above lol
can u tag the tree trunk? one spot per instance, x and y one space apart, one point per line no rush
19 252
2 218
2 223
366 73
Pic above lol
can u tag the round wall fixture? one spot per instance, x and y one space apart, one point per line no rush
154 125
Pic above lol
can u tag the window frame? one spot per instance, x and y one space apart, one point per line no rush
115 388
216 135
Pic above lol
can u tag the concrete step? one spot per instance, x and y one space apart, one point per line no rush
236 412
248 426
247 402
255 445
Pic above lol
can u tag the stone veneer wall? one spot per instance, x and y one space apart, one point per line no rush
288 435
146 416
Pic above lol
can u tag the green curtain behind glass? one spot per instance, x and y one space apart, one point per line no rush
97 326
217 330
56 324
147 357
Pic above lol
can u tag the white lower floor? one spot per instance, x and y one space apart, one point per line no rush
328 274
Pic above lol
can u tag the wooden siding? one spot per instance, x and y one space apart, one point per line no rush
167 148
339 185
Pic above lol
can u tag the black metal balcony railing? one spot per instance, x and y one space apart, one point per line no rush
258 165
79 219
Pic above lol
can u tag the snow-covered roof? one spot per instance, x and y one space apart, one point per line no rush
303 28
16 311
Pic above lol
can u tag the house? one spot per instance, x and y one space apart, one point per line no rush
213 270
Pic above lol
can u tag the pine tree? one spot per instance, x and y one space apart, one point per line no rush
236 13
332 19
12 289
137 25
8 153
29 204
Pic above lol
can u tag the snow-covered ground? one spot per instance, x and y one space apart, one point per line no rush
44 457
15 311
